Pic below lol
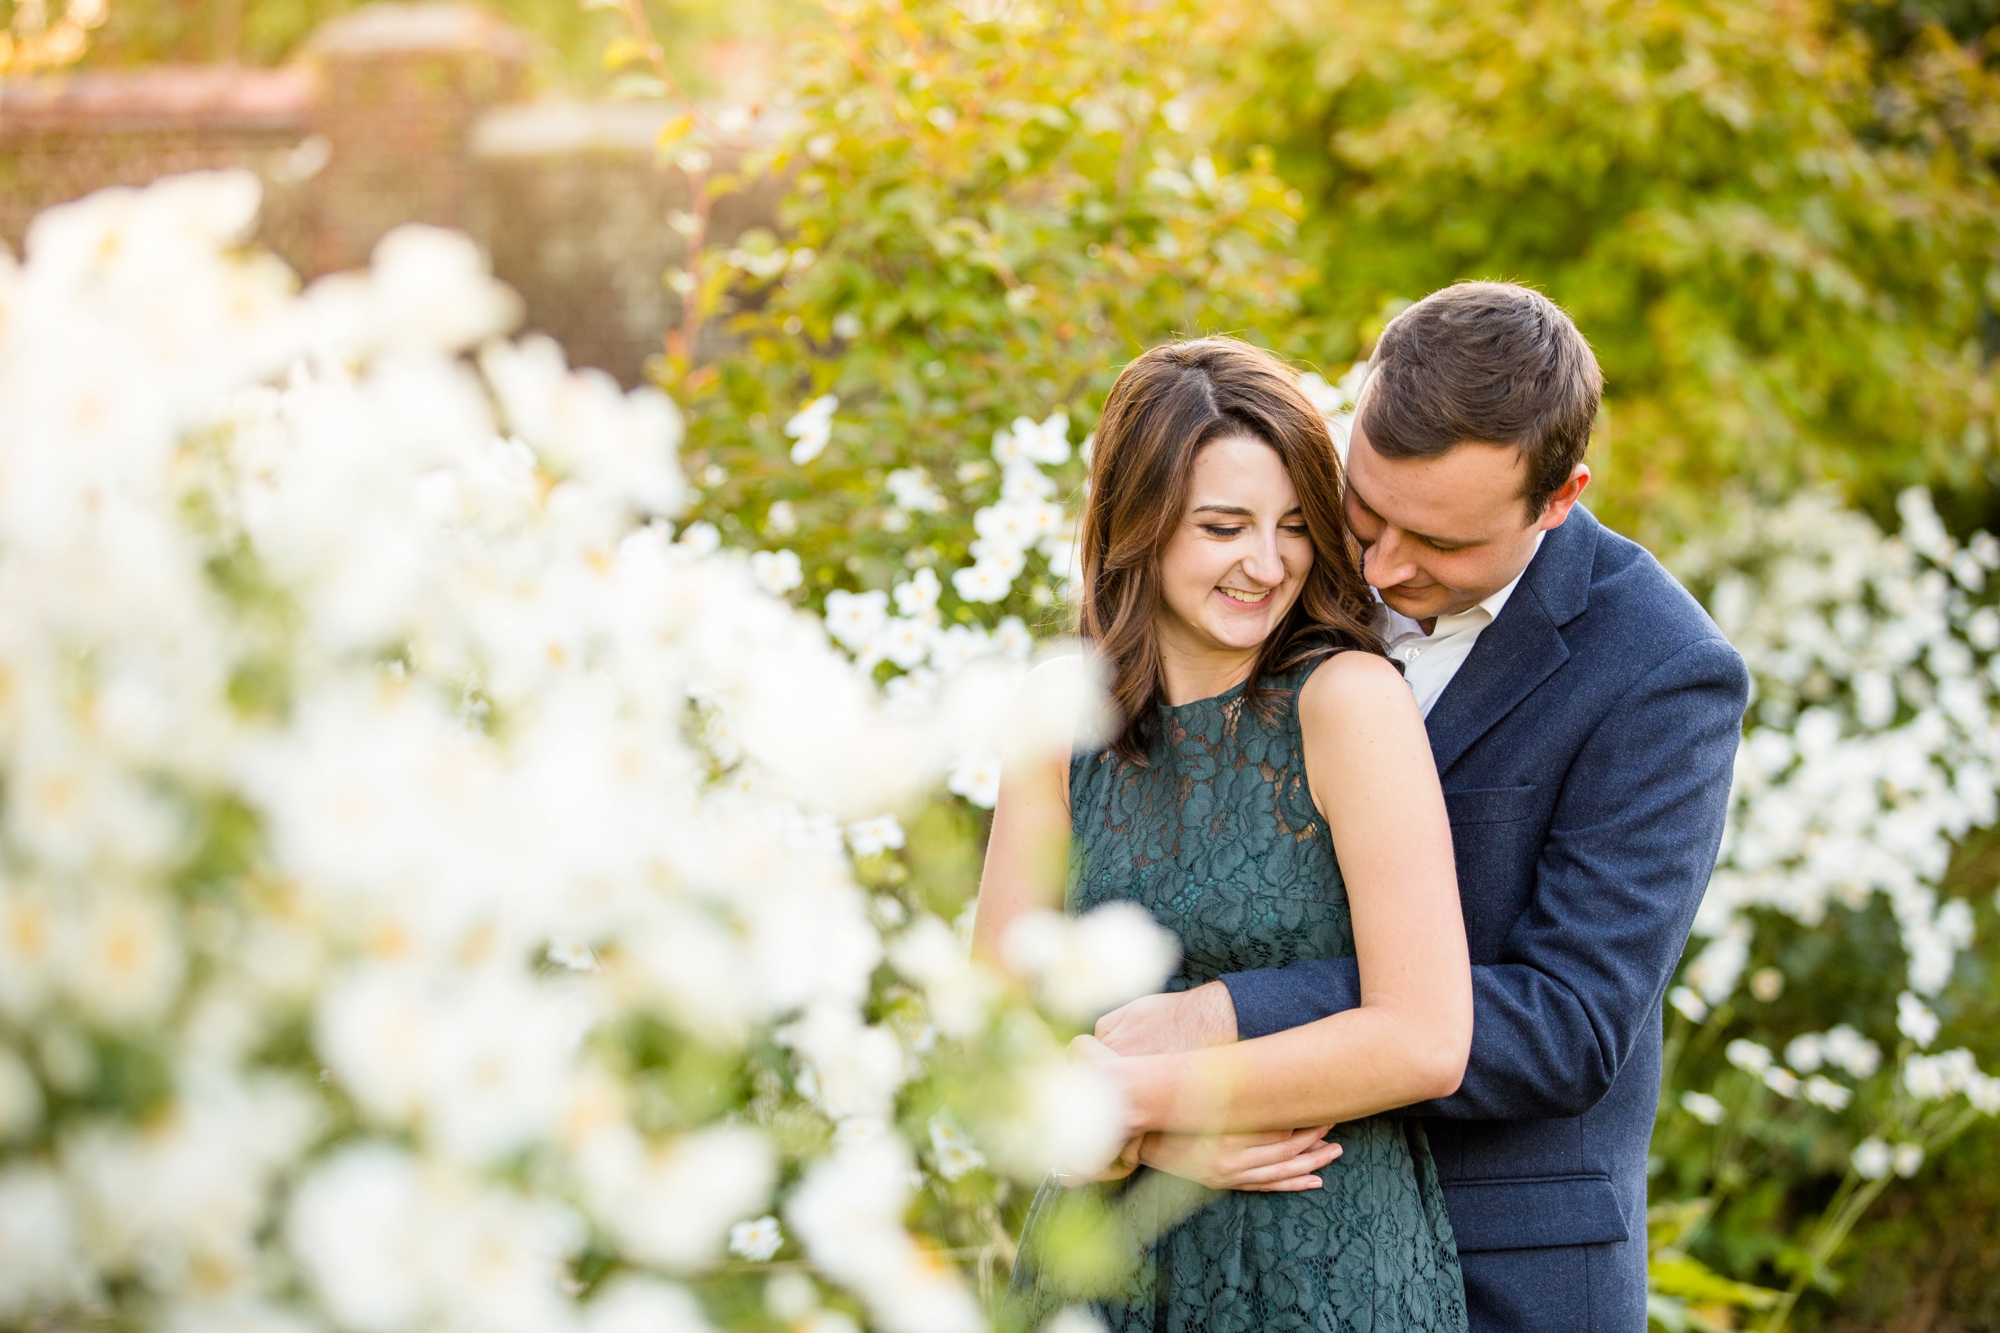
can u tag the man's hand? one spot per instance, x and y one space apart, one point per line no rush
1170 1023
1273 1163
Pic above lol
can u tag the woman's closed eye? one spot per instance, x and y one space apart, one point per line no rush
1227 530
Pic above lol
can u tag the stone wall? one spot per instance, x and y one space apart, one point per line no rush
395 113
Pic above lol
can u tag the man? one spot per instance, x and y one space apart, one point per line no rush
1584 714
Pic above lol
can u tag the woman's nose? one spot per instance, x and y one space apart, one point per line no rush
1265 564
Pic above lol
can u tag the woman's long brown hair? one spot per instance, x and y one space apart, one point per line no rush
1165 406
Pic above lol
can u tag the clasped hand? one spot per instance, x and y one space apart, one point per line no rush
1275 1161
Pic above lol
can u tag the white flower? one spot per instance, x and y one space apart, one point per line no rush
1872 1159
1806 1053
1013 638
573 954
1076 1319
1823 1091
21 1099
846 324
905 642
386 1245
977 779
781 519
959 995
1066 1116
1047 443
1703 1107
855 618
1852 1052
776 572
1749 1056
1327 398
756 1240
1688 1004
44 1265
872 837
985 581
674 1205
917 597
1085 966
848 1213
631 1304
1781 1081
848 1067
812 427
123 962
913 491
701 538
1915 1020
1909 1159
952 1149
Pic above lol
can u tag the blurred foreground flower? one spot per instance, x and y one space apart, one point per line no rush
423 894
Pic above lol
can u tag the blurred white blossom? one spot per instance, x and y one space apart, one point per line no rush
407 833
1085 966
812 427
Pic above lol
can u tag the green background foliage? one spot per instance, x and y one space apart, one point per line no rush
1777 221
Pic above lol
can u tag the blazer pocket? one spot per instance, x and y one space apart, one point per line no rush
1489 805
1534 1213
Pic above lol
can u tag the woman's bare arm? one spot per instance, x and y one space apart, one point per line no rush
1027 853
1370 767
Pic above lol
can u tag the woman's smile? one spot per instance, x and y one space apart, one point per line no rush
1244 598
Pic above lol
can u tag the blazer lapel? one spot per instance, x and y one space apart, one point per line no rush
1521 649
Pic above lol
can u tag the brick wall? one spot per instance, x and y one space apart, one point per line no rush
395 113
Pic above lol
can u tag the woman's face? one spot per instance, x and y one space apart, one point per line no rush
1236 563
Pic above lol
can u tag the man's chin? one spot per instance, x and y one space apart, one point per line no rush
1414 608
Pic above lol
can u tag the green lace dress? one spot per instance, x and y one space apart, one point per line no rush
1218 837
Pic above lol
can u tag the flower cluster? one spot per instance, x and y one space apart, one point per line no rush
1872 749
425 882
1873 746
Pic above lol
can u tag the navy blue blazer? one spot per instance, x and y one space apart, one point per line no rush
1585 748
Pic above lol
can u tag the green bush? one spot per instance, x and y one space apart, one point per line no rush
1781 244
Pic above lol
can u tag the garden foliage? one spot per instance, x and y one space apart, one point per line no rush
1780 243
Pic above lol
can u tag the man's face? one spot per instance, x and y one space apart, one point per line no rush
1443 534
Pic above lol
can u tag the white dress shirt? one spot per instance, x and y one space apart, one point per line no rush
1431 660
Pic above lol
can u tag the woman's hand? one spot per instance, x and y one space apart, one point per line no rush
1275 1162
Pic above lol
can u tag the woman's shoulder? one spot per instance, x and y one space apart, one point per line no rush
1349 687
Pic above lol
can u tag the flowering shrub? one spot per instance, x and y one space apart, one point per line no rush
428 884
991 208
1824 977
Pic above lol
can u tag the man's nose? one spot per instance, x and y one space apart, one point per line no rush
1387 563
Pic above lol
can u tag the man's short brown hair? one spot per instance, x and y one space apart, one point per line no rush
1491 362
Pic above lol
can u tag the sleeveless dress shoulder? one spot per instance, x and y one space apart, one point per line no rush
1218 837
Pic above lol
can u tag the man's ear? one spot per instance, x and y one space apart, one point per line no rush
1565 497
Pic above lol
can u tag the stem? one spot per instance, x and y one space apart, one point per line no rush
699 203
656 57
1846 1209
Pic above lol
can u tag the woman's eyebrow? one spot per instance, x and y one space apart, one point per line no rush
1237 510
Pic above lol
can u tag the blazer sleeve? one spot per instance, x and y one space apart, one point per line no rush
1629 854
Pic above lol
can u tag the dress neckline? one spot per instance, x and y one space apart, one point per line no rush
1223 697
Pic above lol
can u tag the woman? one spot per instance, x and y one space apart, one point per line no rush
1270 797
